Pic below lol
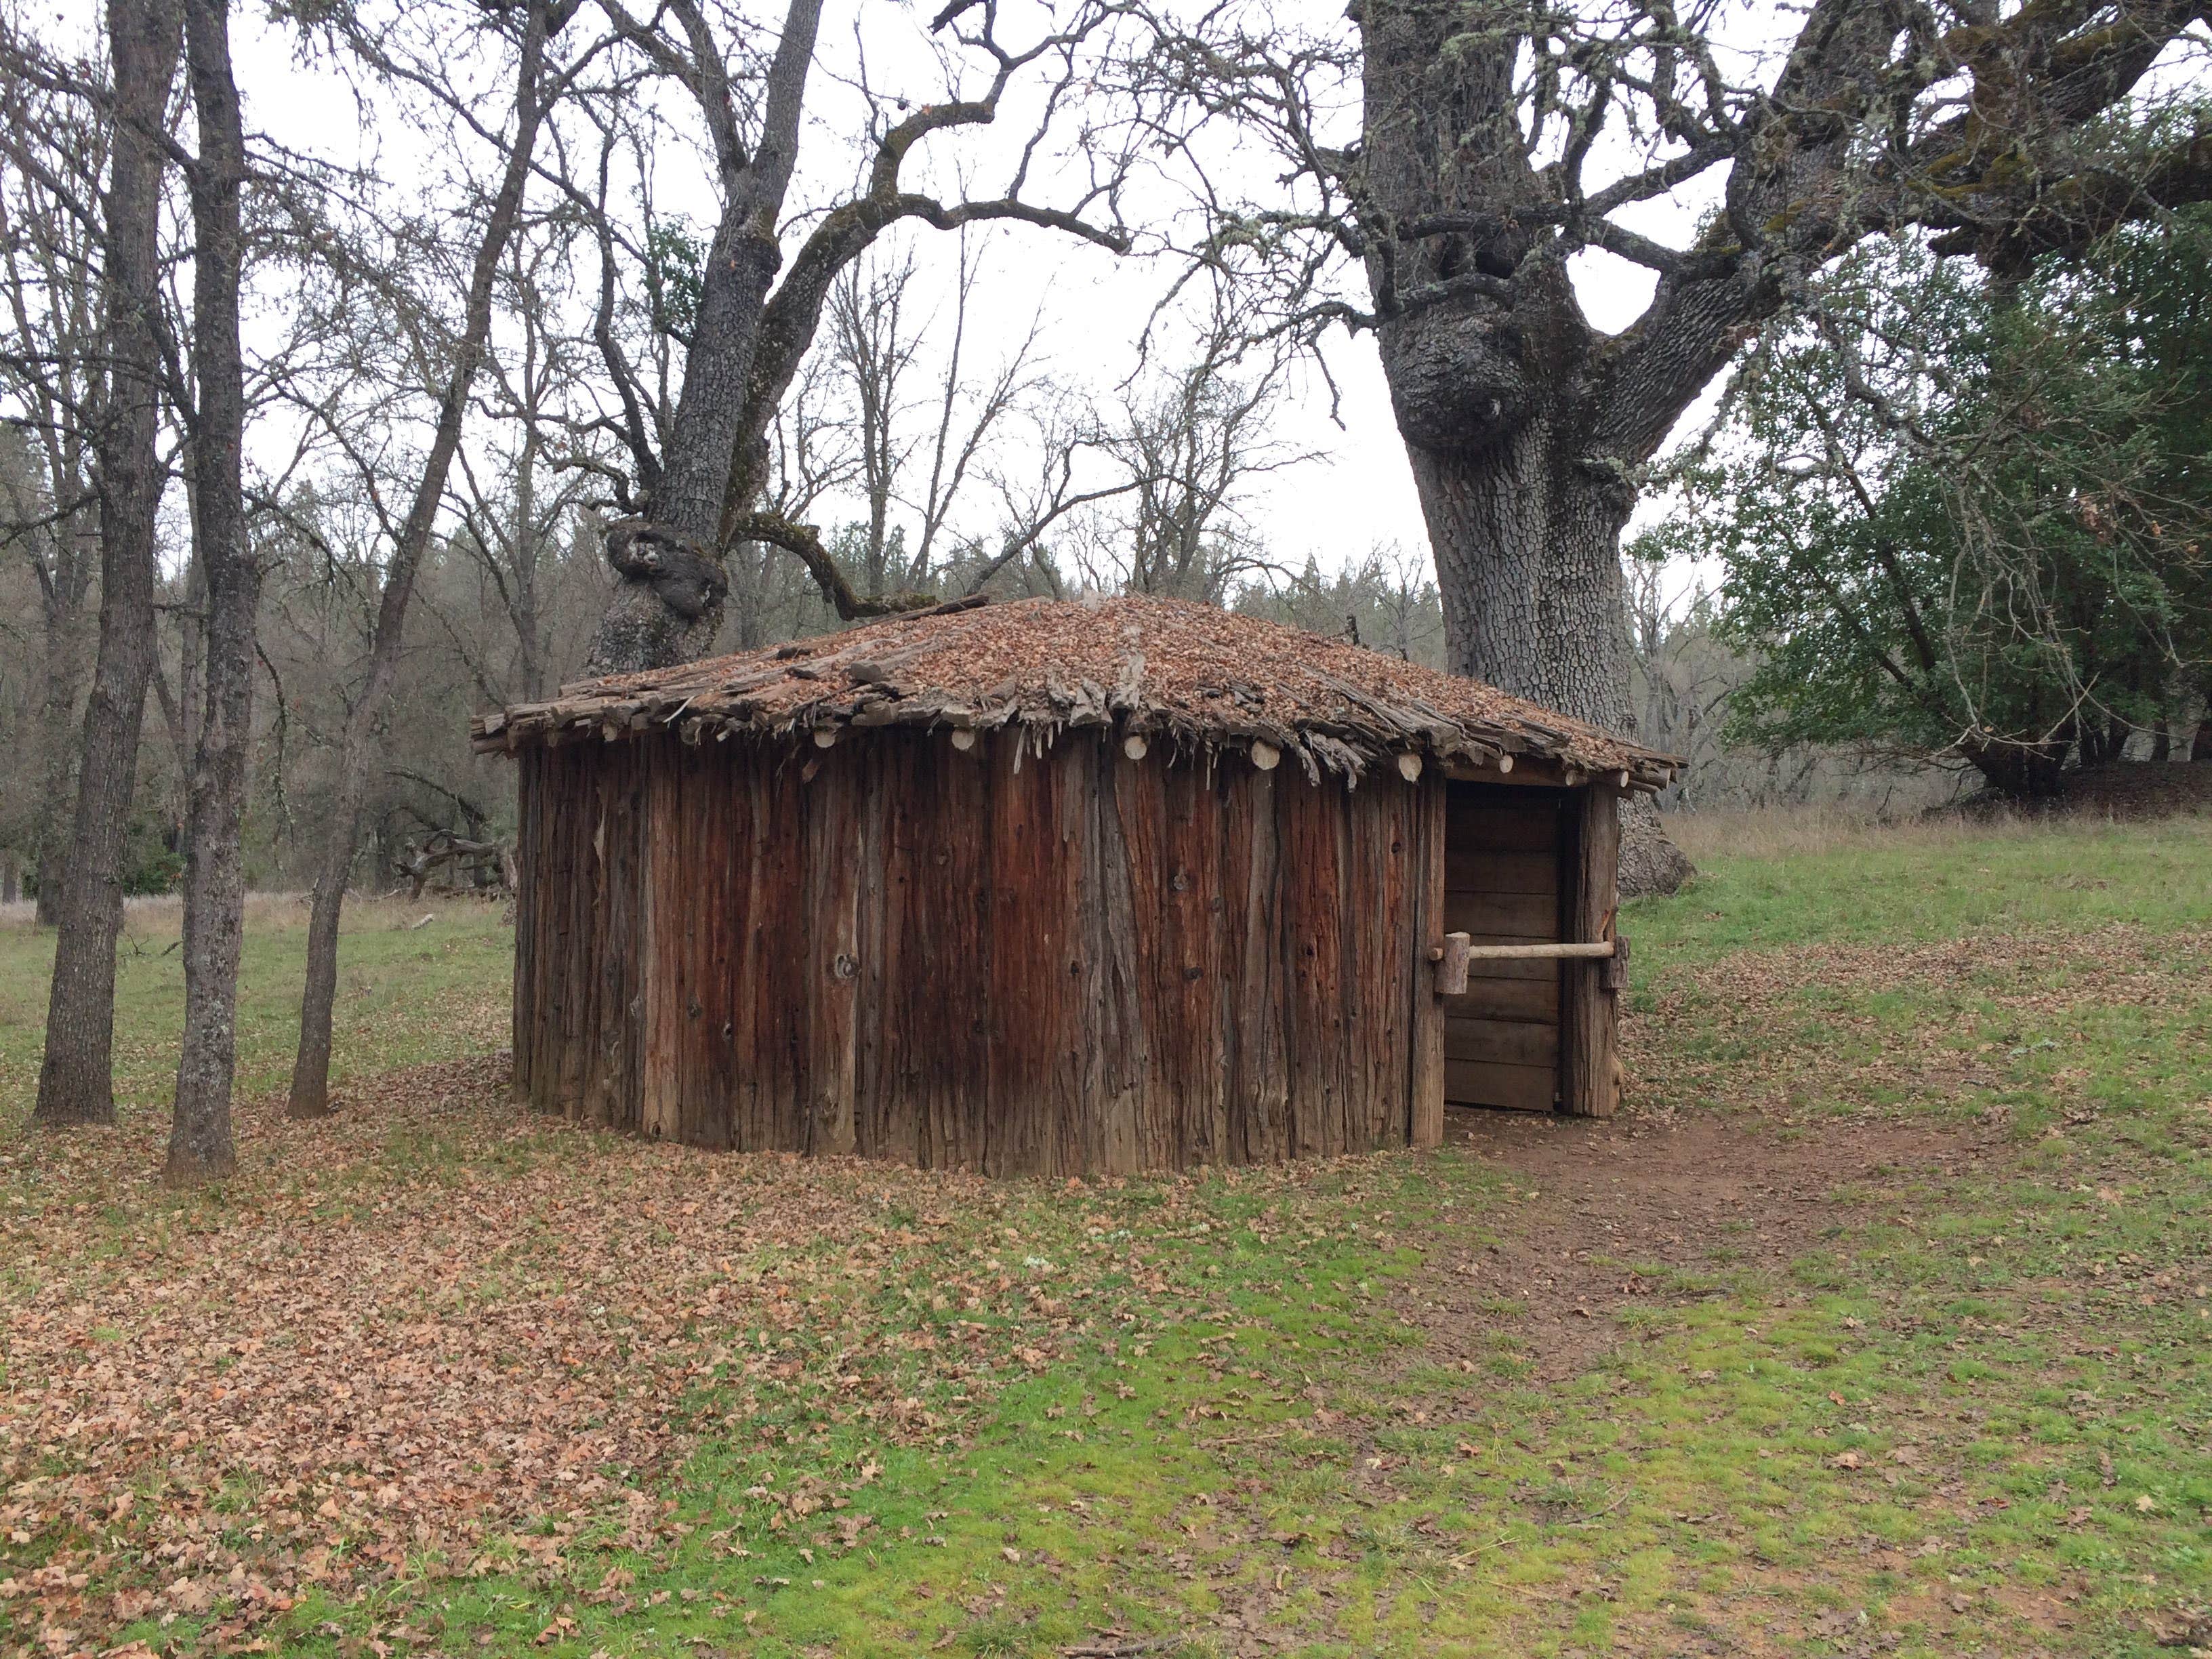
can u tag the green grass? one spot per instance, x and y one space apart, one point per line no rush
406 994
1922 884
1974 1414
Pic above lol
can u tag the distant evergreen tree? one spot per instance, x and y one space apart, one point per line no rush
1968 518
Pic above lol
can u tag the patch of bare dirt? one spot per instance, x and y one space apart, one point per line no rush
1604 1212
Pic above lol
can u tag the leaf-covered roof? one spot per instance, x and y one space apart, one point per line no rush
1190 675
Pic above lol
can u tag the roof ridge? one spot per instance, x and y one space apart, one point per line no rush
1205 678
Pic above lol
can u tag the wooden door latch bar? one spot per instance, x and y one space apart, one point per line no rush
1458 951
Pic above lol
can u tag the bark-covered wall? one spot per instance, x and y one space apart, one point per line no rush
1081 962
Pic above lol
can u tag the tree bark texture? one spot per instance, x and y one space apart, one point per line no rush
1068 962
57 700
75 1083
361 743
200 1144
1521 420
1589 1064
1526 531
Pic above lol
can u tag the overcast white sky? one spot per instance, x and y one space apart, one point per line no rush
1356 492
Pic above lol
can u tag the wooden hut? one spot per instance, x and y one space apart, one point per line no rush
1061 887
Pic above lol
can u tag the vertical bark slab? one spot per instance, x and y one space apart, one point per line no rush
582 829
530 872
586 1092
922 978
749 794
1368 1021
714 804
1377 993
1588 1064
1254 1034
1425 872
881 773
1088 1110
1130 1123
837 867
564 894
1036 962
887 942
583 832
664 941
942 992
693 915
1312 880
1181 909
786 998
614 1083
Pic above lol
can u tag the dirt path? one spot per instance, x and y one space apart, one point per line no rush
1601 1200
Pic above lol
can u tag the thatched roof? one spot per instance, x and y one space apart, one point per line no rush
1163 670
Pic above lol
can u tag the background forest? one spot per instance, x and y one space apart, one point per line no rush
1793 607
366 366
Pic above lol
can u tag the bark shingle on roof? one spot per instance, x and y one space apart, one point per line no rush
1190 675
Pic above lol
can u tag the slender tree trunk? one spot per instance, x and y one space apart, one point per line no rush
526 549
311 1066
56 704
200 1144
75 1083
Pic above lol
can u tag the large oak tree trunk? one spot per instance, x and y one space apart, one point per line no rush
1517 445
200 1146
1526 533
75 1083
1527 556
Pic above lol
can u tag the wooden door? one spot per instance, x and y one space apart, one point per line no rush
1502 855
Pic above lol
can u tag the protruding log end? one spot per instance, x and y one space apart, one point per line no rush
1409 767
1266 756
825 737
963 739
1134 745
1451 971
1613 975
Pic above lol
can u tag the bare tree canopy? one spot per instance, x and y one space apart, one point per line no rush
694 472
